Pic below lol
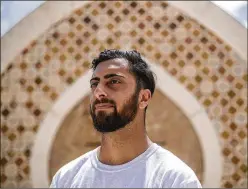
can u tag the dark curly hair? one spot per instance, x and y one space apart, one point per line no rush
145 78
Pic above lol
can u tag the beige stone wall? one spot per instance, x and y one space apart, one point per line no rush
202 62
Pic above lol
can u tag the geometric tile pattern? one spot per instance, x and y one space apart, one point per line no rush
201 61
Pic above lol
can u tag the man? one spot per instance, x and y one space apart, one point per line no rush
122 85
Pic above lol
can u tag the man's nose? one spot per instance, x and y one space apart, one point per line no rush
99 92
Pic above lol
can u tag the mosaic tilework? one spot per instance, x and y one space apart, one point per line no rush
202 62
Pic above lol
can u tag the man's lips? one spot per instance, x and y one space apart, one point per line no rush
103 106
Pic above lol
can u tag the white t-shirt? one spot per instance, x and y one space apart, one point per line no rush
155 168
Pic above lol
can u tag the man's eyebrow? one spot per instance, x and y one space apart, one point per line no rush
95 78
112 75
106 77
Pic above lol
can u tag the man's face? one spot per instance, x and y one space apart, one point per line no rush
114 98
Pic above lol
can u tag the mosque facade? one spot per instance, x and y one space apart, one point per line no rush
199 108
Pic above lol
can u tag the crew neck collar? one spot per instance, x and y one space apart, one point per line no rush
111 168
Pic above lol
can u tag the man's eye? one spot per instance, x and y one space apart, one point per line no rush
114 81
92 85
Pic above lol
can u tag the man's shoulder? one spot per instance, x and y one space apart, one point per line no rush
76 163
175 171
169 160
69 170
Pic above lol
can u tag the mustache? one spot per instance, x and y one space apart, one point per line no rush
103 100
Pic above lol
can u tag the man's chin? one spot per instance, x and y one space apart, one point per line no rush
105 129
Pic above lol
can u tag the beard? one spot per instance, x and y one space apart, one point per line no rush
109 122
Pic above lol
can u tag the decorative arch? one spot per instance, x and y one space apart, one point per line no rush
169 86
210 69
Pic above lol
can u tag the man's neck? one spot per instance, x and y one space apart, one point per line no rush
123 145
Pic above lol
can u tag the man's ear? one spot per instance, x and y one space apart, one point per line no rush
144 97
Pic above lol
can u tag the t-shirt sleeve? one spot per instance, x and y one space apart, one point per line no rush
181 179
192 183
54 183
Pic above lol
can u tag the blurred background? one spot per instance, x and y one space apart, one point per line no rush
198 50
